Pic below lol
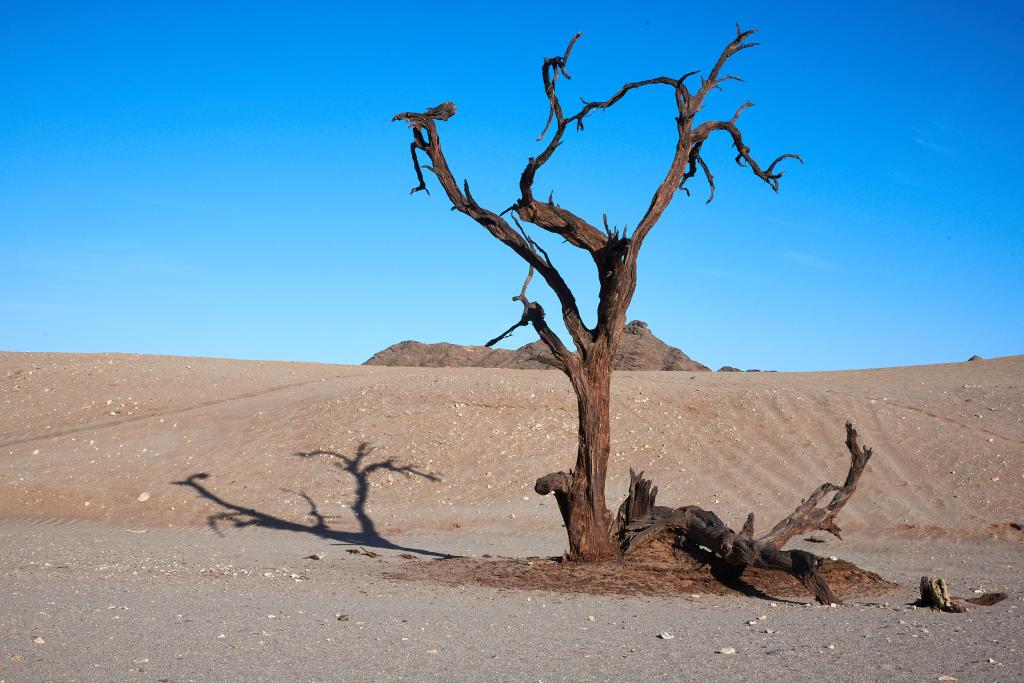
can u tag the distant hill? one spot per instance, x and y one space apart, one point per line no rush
638 350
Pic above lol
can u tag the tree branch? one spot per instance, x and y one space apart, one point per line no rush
685 160
688 107
549 216
615 256
533 313
427 141
523 321
743 156
807 517
589 107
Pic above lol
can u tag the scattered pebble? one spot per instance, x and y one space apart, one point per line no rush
666 636
727 651
39 640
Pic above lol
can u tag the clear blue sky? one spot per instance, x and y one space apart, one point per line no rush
223 179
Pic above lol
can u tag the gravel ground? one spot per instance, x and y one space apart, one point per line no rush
187 604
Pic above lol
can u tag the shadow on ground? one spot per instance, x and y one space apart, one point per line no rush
357 466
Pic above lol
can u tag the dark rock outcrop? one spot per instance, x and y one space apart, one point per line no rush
638 350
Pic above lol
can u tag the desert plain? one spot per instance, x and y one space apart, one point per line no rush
192 519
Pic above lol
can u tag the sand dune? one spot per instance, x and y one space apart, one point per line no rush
104 436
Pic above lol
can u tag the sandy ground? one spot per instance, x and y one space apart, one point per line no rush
131 567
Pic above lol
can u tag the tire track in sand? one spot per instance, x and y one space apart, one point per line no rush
95 426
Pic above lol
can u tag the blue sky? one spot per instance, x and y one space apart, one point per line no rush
223 179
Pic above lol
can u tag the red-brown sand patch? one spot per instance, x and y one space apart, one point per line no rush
661 572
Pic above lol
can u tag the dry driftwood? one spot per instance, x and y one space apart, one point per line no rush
935 594
640 521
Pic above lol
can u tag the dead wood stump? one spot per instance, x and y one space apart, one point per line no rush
935 594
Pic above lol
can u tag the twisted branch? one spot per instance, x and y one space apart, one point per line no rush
807 516
614 255
525 320
427 141
640 521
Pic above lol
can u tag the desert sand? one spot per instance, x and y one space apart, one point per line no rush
158 514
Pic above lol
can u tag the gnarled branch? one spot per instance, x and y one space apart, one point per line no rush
533 313
743 156
427 141
807 516
688 107
523 321
685 161
614 256
550 217
640 521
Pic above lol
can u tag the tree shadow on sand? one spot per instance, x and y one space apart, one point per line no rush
357 466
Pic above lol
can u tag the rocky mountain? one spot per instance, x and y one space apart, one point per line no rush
638 350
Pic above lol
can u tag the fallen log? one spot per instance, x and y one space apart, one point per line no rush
639 522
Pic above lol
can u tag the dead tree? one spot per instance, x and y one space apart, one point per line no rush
640 521
592 531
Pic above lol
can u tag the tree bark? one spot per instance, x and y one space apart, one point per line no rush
580 493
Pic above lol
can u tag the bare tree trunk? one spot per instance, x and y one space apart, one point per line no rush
590 521
580 492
